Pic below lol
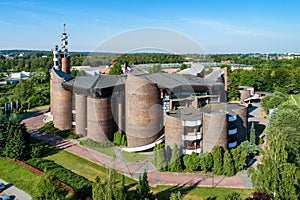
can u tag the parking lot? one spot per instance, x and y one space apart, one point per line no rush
14 192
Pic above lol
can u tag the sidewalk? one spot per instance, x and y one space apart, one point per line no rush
135 169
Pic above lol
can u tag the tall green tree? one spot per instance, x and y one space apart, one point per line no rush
287 120
239 156
47 189
206 162
175 164
17 143
218 160
159 157
275 176
252 134
228 165
116 69
108 189
143 188
191 162
22 92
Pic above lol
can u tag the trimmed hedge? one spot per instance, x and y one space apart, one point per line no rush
77 182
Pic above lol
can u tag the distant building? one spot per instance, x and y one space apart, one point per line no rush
15 77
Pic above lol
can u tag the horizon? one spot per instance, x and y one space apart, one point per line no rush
217 27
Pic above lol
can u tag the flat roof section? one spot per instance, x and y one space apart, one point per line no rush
193 114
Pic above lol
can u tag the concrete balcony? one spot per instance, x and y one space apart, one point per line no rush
232 131
232 144
192 136
191 123
232 118
190 151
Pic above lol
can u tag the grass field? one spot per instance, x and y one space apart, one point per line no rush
17 175
198 193
134 157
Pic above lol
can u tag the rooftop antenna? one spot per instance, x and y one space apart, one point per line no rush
64 43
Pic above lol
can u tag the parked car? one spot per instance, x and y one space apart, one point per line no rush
2 186
4 197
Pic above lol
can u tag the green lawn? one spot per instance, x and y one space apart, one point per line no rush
198 193
39 108
134 157
17 175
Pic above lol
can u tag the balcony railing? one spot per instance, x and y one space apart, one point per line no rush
188 151
192 136
232 144
191 123
232 131
232 118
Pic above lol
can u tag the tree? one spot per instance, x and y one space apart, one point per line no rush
182 66
116 69
206 162
228 166
108 189
143 188
252 134
18 139
47 189
273 100
287 120
159 157
175 164
22 92
239 158
218 160
275 176
191 162
250 148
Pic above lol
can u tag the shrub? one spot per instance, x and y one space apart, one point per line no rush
206 162
233 196
119 139
191 162
78 183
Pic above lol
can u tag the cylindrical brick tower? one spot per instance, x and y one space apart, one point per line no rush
65 64
244 94
242 123
143 111
173 132
61 103
81 114
215 131
100 123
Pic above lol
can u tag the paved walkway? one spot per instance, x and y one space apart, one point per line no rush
135 169
14 192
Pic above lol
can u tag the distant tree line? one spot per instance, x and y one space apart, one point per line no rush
143 58
267 75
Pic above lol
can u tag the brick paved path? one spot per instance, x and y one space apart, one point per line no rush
134 170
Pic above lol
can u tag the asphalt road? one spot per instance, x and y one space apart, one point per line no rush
14 192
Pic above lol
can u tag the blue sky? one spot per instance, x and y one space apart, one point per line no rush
218 26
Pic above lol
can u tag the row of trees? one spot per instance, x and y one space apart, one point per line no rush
278 175
217 161
144 58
